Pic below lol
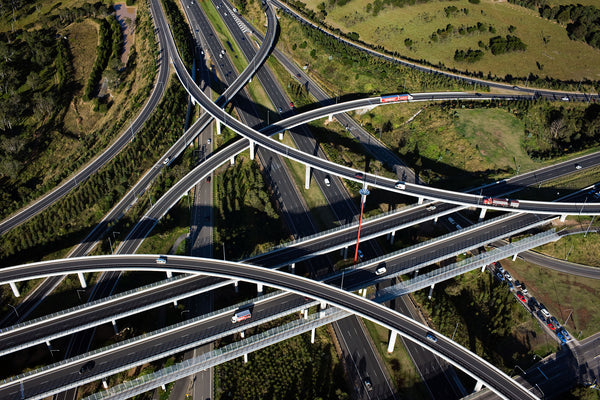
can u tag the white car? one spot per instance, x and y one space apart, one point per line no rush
380 271
327 182
564 98
577 166
161 260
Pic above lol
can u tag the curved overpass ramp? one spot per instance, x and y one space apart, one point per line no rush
470 363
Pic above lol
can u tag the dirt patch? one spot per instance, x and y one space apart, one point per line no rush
126 18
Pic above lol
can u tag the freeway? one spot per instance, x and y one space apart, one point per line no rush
460 357
419 191
398 263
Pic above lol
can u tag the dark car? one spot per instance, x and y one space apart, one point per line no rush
208 179
358 175
88 366
280 109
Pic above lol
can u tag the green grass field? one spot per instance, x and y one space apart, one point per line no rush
561 294
548 43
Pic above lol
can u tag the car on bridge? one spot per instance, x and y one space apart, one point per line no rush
431 337
550 324
88 366
521 297
358 175
380 271
161 260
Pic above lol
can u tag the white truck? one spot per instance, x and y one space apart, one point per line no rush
240 316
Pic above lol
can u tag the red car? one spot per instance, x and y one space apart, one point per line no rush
358 175
291 104
521 297
550 325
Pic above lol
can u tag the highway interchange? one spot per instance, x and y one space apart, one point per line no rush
417 191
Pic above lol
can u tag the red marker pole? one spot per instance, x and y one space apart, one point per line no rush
364 192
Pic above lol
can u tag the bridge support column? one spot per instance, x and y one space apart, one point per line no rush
563 217
392 342
323 305
14 289
104 384
242 334
421 199
364 293
312 335
345 252
174 303
307 178
259 289
232 160
218 127
430 291
114 324
330 117
392 237
435 220
478 386
49 345
416 273
281 135
163 387
235 286
169 274
482 213
483 267
305 313
515 257
81 280
246 358
293 268
252 145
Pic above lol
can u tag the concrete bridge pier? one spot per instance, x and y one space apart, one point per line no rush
483 267
392 237
252 145
169 274
312 335
421 200
345 252
435 220
235 286
305 313
293 268
563 217
242 334
430 291
163 387
364 293
114 324
174 303
259 289
307 178
218 126
232 160
392 342
49 345
104 383
14 289
246 358
323 305
478 386
281 135
82 280
330 117
482 213
515 256
416 273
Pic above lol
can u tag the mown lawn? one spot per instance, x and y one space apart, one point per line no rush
547 42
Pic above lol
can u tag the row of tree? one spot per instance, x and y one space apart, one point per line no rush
445 33
181 32
66 221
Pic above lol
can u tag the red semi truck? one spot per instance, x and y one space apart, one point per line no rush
490 201
396 97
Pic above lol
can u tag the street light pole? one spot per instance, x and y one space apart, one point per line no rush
223 243
364 192
13 307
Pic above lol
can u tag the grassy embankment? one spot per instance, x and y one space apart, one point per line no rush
548 44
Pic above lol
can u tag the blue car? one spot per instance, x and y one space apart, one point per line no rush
431 337
561 337
500 276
